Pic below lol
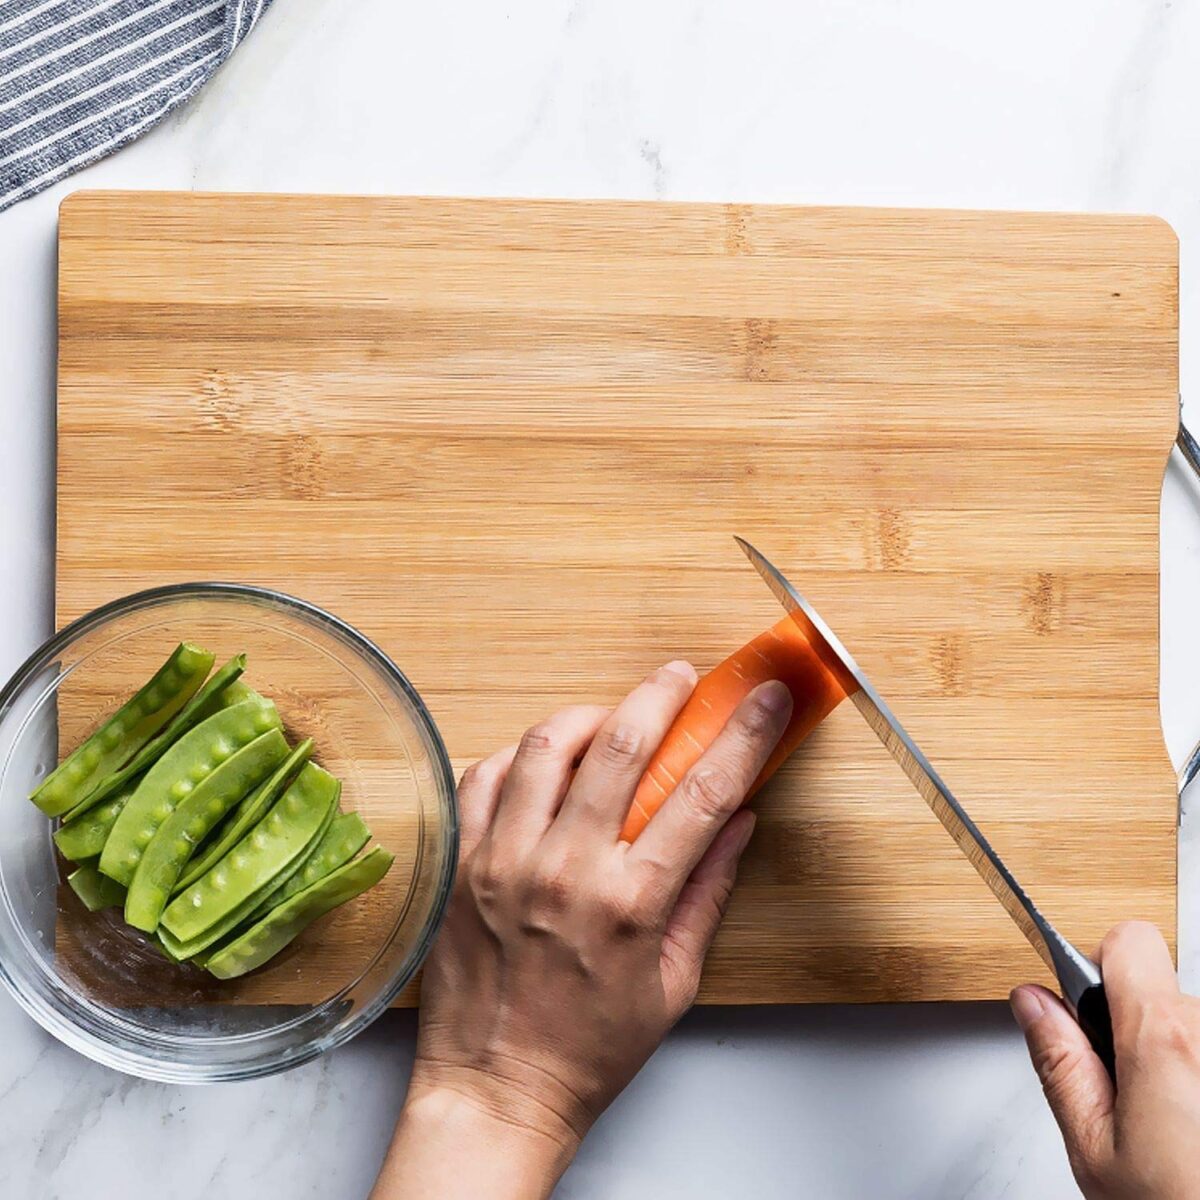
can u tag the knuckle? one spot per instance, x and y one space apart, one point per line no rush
711 792
757 720
1165 1028
1125 936
1176 1036
650 889
484 878
542 740
553 895
1056 1066
551 886
621 744
626 917
720 896
670 680
475 778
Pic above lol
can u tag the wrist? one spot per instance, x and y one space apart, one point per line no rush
455 1140
509 1091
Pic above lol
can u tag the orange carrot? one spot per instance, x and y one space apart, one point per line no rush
782 653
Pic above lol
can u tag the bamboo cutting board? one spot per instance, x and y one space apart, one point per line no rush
511 442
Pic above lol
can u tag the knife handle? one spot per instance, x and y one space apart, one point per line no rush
1093 1016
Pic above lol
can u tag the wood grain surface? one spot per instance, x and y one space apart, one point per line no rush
511 441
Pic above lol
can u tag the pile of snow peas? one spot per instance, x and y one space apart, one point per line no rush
189 808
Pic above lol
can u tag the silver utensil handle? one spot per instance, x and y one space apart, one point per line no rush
1191 769
1188 448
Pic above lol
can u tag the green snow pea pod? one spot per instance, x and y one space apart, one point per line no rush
197 812
216 694
125 732
344 838
238 691
199 949
177 951
246 814
165 950
84 836
180 771
95 890
227 894
263 940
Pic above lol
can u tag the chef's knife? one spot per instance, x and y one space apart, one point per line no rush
1078 976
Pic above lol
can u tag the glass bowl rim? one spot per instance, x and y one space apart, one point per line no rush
143 1064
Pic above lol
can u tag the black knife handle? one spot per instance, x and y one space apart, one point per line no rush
1093 1016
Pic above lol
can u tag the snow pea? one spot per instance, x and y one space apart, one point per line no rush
276 847
158 944
199 949
176 839
344 838
84 836
86 827
95 890
235 693
247 813
216 694
125 732
263 940
180 771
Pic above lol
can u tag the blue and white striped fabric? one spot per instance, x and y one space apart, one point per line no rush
81 78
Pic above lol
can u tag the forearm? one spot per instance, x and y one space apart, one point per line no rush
446 1147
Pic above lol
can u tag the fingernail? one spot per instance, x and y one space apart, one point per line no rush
679 667
1027 1006
774 696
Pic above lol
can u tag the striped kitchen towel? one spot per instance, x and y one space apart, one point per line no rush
81 78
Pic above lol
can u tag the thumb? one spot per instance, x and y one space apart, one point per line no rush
1077 1086
698 912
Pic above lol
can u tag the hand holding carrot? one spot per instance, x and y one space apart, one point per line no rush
782 653
567 953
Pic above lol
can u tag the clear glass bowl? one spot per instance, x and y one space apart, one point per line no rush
100 987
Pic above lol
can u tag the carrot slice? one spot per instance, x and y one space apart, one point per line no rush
782 653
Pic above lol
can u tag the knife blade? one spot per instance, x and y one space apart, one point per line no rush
1079 977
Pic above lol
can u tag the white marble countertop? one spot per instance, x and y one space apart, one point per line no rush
1083 104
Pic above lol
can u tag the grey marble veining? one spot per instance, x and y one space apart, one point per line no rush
1077 105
